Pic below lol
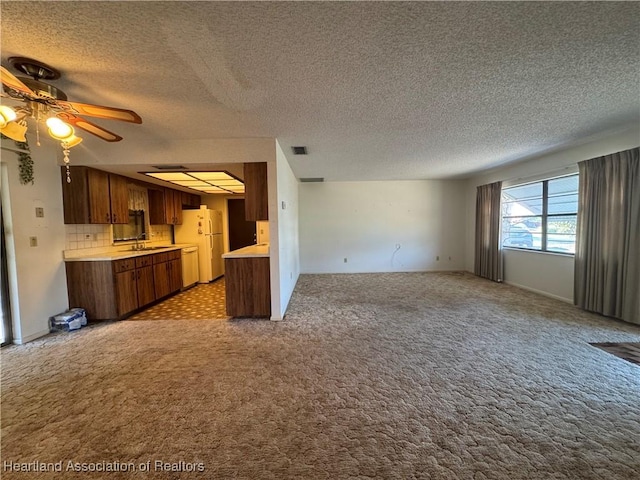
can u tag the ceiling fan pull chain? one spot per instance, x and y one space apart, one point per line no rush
65 150
38 129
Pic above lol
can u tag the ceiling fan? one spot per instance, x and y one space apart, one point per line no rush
44 101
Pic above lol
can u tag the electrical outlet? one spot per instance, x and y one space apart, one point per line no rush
345 259
39 212
33 241
87 236
438 258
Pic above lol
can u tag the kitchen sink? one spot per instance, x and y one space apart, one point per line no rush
146 249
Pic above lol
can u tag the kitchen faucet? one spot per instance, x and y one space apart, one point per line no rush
138 246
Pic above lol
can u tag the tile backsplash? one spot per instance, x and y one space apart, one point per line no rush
87 236
79 237
161 233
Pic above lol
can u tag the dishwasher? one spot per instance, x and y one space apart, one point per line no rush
190 274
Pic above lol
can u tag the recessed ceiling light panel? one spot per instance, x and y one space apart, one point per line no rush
212 176
170 176
205 182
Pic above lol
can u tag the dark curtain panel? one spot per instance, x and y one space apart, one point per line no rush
607 268
488 258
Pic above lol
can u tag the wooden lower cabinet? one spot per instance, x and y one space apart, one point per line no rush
175 274
167 272
90 285
145 285
248 287
134 283
126 292
113 289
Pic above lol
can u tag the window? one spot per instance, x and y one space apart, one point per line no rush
541 216
133 230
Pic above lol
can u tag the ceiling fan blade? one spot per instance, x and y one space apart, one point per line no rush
11 81
99 111
87 126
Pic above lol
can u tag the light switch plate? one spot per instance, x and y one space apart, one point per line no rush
39 212
33 241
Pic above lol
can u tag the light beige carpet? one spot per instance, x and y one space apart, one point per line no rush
427 376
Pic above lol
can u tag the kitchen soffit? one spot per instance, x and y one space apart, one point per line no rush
221 182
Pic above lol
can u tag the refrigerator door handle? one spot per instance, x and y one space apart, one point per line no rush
210 235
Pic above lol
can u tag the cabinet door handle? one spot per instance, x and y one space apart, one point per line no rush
107 217
138 274
133 275
114 218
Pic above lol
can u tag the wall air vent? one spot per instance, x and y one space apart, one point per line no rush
169 167
312 180
299 150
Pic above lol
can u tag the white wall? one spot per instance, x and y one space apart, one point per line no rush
548 274
364 222
37 282
283 233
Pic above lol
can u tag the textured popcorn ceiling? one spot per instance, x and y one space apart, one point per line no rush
374 90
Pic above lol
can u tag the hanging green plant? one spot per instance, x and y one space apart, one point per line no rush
26 168
25 163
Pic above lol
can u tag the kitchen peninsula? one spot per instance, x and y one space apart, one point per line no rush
247 281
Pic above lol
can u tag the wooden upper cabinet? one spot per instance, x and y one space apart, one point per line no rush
256 203
94 196
156 206
165 206
169 207
98 190
119 196
190 200
177 207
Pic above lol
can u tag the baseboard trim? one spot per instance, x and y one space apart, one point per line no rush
539 292
30 338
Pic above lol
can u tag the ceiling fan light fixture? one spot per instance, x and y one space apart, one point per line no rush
15 131
59 129
7 114
73 141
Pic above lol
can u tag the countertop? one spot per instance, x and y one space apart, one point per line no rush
120 254
252 251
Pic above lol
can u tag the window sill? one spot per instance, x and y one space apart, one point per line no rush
528 250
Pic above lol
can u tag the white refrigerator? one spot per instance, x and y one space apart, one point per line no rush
203 227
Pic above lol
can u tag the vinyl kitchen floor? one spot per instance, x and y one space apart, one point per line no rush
205 301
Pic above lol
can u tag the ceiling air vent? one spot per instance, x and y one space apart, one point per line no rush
169 167
312 180
299 150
